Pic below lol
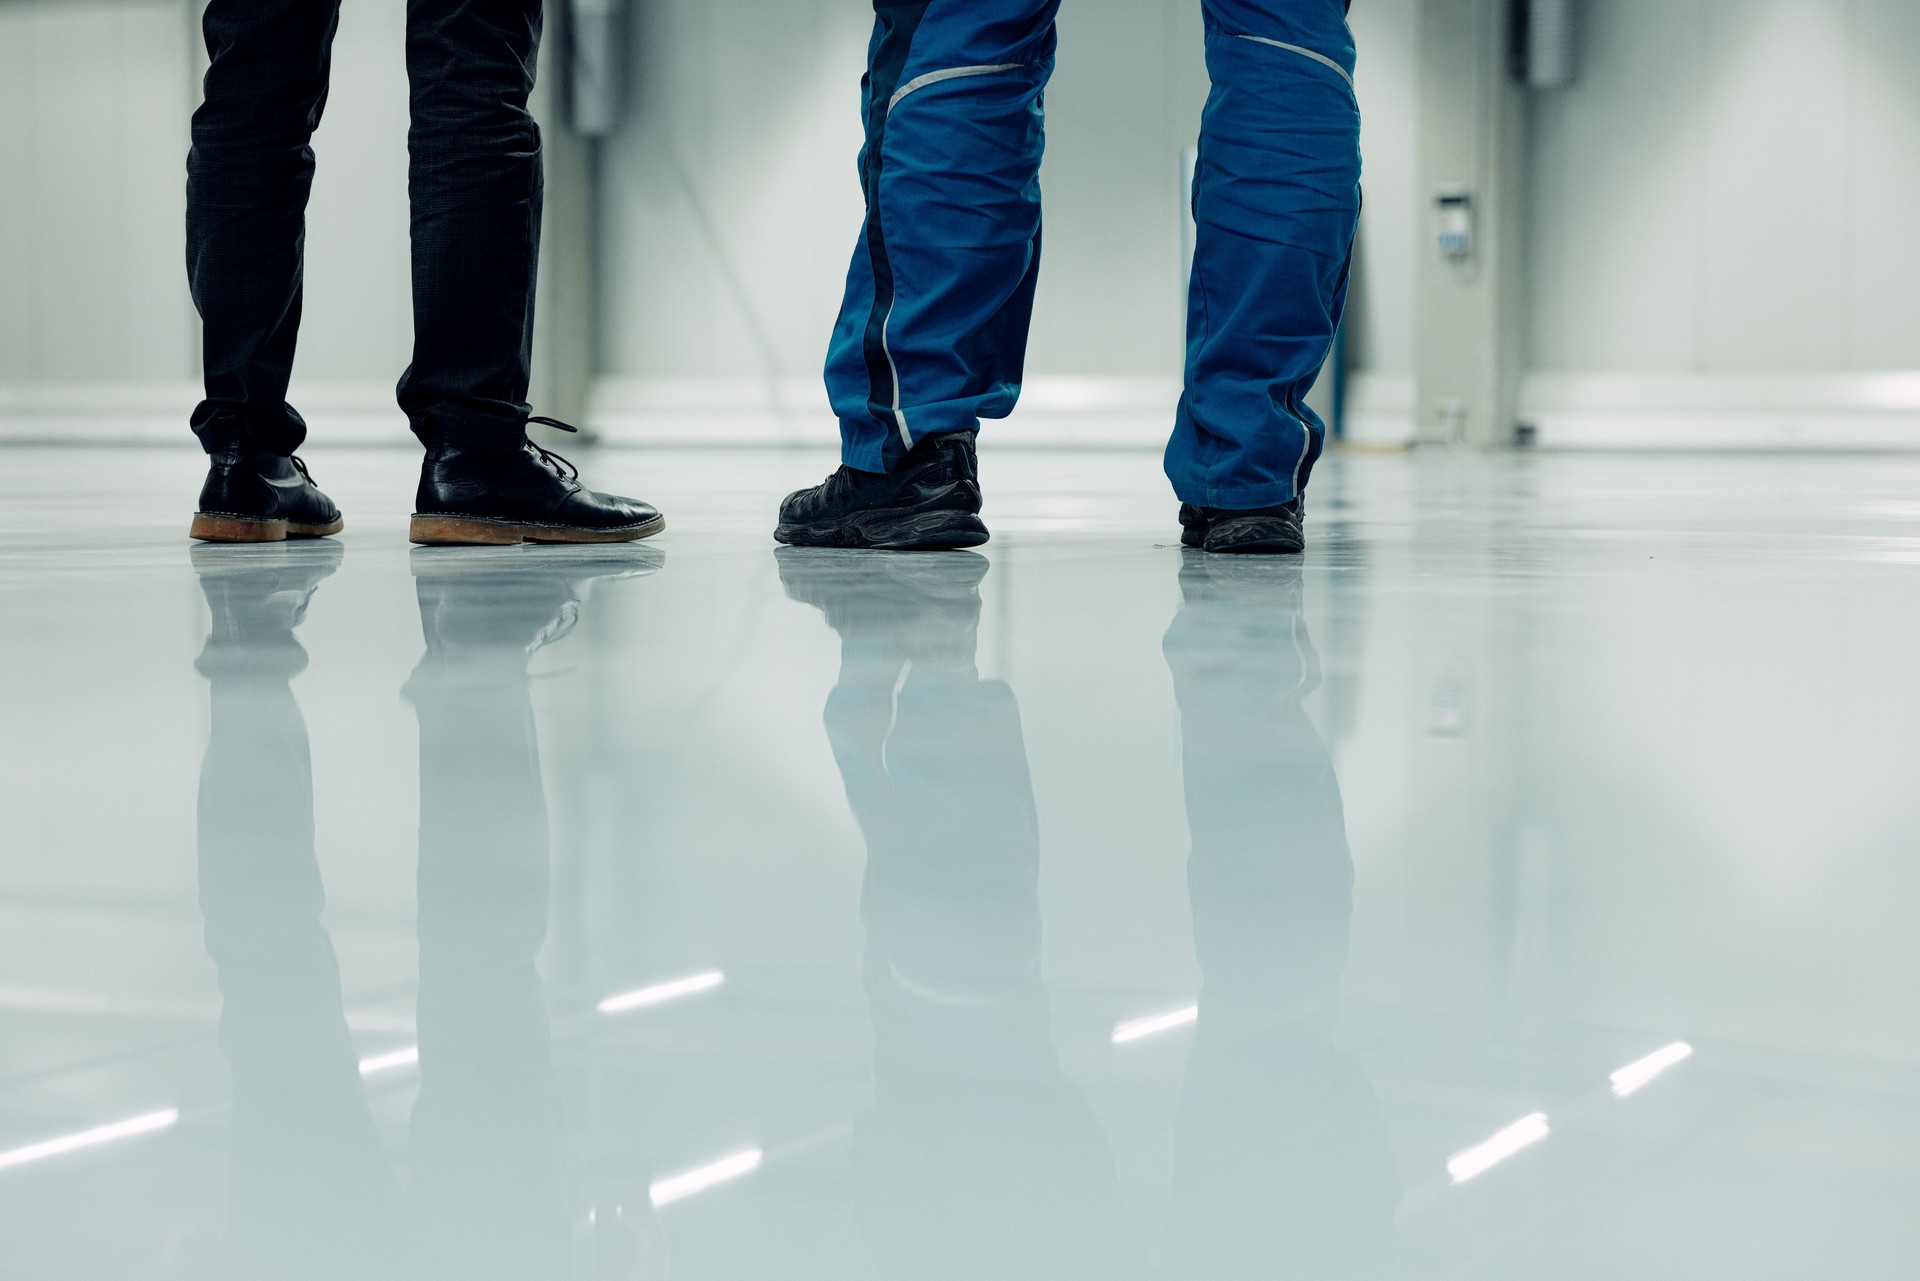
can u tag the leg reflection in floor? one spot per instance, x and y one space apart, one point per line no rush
978 1157
489 1162
1282 1164
314 1194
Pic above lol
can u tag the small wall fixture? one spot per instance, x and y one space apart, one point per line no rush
1453 221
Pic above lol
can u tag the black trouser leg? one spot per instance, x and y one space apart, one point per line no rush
248 176
475 185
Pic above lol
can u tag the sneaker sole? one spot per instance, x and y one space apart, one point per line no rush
473 531
1262 547
219 527
881 531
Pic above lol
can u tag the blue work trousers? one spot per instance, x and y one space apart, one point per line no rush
932 335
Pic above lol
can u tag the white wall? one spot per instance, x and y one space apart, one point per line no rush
1724 203
94 96
1721 235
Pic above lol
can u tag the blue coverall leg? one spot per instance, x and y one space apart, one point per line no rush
1276 198
933 333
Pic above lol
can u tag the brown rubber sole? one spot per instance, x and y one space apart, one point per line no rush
219 527
473 531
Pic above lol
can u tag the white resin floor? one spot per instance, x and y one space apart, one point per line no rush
1523 886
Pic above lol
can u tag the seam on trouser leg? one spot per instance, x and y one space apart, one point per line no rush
886 349
1304 52
951 73
886 344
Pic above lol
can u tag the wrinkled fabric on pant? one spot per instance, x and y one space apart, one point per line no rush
932 335
474 182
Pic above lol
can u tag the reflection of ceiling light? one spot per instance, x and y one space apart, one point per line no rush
1640 1071
681 1186
1482 1157
386 1062
90 1138
1134 1029
662 992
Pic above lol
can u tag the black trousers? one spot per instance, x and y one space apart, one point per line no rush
474 182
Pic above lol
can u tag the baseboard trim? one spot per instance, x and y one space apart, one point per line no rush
155 413
1568 411
1730 412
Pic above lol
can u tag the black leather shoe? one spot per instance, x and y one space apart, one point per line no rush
252 496
499 496
930 502
1269 531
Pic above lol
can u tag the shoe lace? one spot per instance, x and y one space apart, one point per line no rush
300 466
560 466
841 484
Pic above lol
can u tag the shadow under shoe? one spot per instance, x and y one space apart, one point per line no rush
254 496
471 495
1269 531
929 502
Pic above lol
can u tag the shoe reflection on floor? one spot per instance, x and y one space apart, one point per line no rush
314 1194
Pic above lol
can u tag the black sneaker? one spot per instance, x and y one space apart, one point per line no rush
1270 531
474 496
930 502
253 496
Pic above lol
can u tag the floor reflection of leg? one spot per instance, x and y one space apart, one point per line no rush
488 1158
979 1158
1282 1160
312 1193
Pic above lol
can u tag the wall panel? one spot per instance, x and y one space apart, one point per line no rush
1728 190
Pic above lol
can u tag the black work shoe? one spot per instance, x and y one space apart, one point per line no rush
470 496
252 496
929 502
1270 531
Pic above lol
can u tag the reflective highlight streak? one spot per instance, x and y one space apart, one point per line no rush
1481 1157
138 1125
1640 1071
1134 1029
681 1186
662 992
387 1062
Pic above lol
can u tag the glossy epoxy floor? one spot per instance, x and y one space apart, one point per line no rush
1081 909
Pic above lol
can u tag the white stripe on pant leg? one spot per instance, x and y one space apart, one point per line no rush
911 87
1306 447
899 413
952 73
1304 52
